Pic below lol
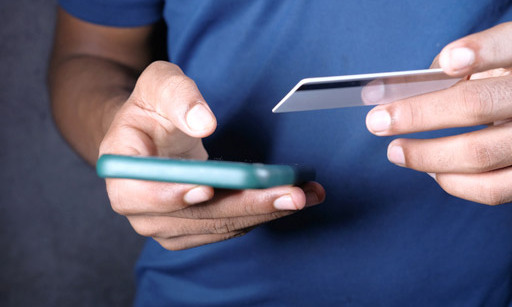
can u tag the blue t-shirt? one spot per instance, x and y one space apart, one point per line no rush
386 236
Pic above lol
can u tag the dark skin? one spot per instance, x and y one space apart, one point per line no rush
96 58
109 97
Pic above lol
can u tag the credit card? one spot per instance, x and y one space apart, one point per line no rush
362 90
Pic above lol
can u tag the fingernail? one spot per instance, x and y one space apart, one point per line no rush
379 121
373 92
457 59
396 155
197 195
432 175
285 203
199 118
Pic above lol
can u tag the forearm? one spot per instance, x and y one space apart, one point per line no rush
86 91
93 70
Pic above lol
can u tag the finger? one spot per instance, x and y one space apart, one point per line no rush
165 116
478 52
491 188
467 103
255 202
169 227
133 133
135 197
386 90
474 152
186 242
435 63
374 93
164 89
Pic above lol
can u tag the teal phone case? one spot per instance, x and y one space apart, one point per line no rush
219 174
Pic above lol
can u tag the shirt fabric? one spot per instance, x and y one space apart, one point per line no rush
386 236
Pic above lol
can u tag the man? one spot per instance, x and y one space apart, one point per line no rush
386 235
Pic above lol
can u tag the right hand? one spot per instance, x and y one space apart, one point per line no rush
167 116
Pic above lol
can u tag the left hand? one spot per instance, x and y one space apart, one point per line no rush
477 165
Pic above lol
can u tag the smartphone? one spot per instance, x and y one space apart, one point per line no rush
218 174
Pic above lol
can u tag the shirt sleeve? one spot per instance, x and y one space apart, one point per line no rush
117 13
507 14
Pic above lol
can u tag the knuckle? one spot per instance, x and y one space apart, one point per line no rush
250 206
480 157
410 114
152 70
221 226
177 83
179 228
143 228
194 212
248 209
118 208
158 67
155 66
116 201
159 226
485 157
172 245
484 191
477 101
174 89
145 231
162 80
491 195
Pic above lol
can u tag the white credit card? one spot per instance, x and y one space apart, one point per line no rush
362 90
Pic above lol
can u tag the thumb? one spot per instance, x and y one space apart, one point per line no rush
478 52
435 63
164 89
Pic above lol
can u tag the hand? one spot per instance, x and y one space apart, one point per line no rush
476 165
167 116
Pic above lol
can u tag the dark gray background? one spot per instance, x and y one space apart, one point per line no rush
60 243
